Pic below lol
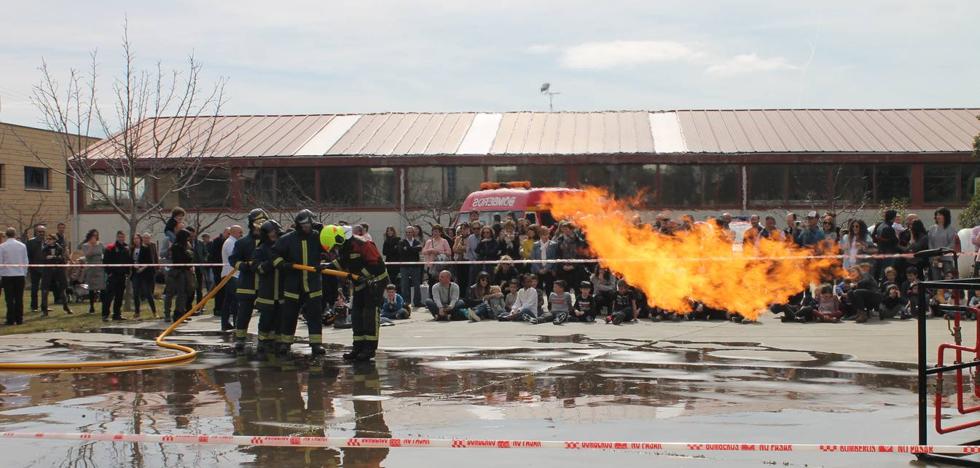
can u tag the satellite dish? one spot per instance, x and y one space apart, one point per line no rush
545 87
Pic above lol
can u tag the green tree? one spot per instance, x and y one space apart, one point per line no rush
971 215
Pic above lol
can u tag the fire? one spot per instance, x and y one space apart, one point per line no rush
693 265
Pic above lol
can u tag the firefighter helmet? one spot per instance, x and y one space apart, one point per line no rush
303 217
256 217
268 228
332 235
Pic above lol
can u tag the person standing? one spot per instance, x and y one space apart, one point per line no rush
116 253
436 249
181 278
93 276
359 256
242 259
390 251
302 290
268 296
35 256
942 235
63 239
54 278
13 252
214 273
812 234
410 276
229 305
144 274
545 249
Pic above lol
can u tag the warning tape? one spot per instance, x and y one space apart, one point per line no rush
395 442
486 262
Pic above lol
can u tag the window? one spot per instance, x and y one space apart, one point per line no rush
852 183
767 185
441 186
940 183
808 184
36 178
623 181
690 186
212 190
281 187
892 182
103 187
969 181
539 176
347 187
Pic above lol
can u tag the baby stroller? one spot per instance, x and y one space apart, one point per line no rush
77 291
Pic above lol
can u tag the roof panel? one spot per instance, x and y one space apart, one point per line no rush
508 122
733 123
696 131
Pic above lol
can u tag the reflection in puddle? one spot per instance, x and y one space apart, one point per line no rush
580 392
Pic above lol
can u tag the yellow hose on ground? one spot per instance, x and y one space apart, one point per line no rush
188 353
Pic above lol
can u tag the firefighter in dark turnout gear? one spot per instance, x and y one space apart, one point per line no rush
242 258
359 256
268 297
302 290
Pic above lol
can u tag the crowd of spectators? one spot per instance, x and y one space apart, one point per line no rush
880 280
490 285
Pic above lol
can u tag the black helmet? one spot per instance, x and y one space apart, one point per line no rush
268 228
256 217
303 217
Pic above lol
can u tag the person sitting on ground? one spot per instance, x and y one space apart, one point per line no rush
496 303
974 304
623 306
604 289
825 308
444 302
477 293
543 311
890 277
864 294
585 304
511 297
560 302
505 271
894 304
526 302
911 277
393 307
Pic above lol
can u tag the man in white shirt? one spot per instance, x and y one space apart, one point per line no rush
230 304
12 251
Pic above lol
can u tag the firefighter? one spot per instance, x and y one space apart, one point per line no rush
242 258
268 297
359 256
302 290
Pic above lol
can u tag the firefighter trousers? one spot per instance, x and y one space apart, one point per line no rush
246 302
365 321
270 313
313 313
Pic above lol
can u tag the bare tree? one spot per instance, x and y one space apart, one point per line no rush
160 127
434 207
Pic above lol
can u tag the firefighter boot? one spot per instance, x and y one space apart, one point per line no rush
316 349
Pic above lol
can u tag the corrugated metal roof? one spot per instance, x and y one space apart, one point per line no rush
529 133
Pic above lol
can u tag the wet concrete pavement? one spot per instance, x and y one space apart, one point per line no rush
582 382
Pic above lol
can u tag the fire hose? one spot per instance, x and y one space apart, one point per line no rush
186 352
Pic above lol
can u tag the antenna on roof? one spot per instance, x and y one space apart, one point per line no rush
546 89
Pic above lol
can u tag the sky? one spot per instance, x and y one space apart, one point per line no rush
306 56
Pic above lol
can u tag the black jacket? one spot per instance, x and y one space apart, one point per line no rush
390 248
297 248
35 245
147 255
270 278
241 258
117 253
409 251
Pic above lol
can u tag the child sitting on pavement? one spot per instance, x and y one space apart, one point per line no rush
560 302
894 304
623 306
496 305
393 307
585 304
825 308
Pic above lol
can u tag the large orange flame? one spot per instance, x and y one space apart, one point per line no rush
693 265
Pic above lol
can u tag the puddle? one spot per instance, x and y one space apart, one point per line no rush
616 390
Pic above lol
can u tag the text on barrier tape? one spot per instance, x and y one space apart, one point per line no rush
394 442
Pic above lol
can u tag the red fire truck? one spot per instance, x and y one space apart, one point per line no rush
495 200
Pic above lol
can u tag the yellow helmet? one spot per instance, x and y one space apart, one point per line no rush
332 235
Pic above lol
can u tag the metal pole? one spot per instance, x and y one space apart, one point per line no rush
923 387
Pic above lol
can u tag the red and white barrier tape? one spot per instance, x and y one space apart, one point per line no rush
482 262
394 442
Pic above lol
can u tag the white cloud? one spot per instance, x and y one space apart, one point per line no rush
603 55
540 49
749 63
